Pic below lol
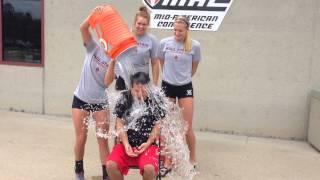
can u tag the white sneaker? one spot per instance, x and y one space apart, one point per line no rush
80 176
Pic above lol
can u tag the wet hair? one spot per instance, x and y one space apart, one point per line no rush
139 77
142 12
187 40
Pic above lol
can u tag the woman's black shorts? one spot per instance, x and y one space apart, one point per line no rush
79 104
173 91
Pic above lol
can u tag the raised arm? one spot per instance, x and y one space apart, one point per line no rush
84 26
109 76
85 32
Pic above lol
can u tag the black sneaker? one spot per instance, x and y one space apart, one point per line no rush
164 171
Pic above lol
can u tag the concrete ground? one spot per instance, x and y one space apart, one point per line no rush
36 147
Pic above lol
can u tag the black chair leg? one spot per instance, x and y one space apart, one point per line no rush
159 163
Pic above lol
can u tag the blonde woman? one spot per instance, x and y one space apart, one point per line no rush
179 57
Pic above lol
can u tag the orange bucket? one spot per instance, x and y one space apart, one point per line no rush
112 31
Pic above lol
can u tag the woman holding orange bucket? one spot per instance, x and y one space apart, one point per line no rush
179 57
90 98
146 50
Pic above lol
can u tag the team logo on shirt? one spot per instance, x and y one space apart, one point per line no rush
143 45
99 61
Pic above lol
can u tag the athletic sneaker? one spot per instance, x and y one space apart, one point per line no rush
80 176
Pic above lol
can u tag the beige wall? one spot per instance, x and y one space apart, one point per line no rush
255 77
21 88
314 120
259 69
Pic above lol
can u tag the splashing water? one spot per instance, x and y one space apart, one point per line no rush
124 65
173 126
173 130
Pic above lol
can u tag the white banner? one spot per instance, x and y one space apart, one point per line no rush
204 15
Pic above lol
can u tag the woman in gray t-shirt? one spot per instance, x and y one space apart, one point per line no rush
90 97
145 53
179 57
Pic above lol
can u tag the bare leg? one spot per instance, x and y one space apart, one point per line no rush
78 117
149 172
102 123
187 112
113 171
167 160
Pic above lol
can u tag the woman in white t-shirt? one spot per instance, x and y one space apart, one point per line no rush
145 53
179 57
90 97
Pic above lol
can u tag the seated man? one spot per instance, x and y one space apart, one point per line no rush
137 146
